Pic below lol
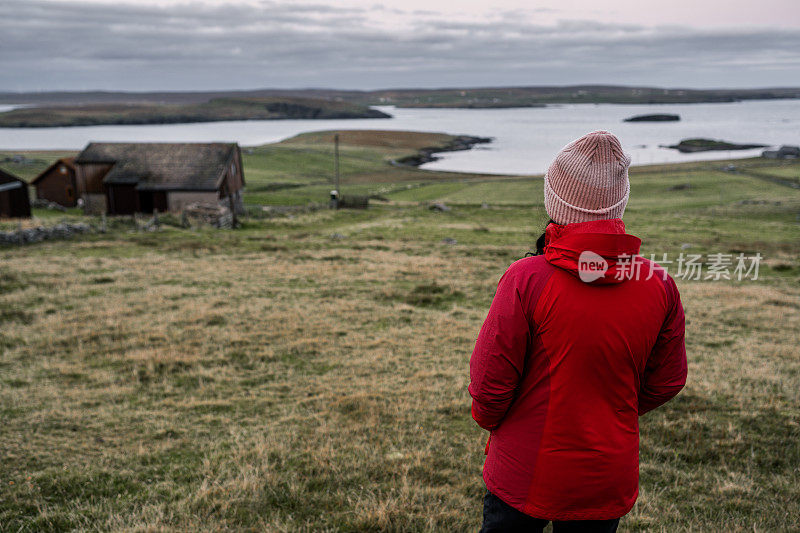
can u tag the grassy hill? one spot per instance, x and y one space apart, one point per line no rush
300 169
489 97
91 108
469 97
308 372
217 109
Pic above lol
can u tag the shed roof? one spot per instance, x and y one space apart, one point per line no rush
162 166
69 162
8 177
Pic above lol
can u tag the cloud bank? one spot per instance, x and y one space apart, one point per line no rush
47 45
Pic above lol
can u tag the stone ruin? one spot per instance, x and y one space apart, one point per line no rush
201 214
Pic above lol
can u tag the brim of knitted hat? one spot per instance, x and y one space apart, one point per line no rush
563 212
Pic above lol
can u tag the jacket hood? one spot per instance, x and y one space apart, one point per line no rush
597 251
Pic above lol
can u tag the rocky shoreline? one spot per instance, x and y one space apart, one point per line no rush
426 155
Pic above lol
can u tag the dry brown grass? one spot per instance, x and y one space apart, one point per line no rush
317 388
273 378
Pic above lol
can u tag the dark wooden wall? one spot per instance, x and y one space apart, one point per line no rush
234 175
89 177
150 201
58 186
122 199
16 202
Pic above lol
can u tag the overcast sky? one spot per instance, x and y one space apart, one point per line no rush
368 44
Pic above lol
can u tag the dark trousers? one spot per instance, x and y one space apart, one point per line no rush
499 517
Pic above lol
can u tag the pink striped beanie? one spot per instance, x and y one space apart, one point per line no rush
588 180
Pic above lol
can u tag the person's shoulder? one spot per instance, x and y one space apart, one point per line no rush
528 269
528 265
654 271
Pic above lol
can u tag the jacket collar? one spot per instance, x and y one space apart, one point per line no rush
597 251
555 231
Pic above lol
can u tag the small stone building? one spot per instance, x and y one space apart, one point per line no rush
15 202
57 183
127 178
784 152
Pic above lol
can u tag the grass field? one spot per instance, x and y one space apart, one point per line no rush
309 372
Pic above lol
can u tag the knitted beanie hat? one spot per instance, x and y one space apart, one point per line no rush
588 180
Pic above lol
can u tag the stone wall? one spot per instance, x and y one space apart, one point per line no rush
59 231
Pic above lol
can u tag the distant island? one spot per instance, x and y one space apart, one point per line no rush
92 108
476 97
708 145
663 117
216 109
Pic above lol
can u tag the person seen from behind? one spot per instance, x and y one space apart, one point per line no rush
580 341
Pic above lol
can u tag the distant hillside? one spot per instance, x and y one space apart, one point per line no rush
538 96
217 109
446 97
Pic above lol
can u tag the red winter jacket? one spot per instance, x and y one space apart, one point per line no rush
563 368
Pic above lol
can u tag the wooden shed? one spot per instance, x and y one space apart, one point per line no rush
126 178
57 183
15 201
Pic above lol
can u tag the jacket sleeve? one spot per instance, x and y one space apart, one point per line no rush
498 360
666 368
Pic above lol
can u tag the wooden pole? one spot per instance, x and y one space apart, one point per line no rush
335 195
336 160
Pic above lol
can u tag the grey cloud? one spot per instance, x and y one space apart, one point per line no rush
72 45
